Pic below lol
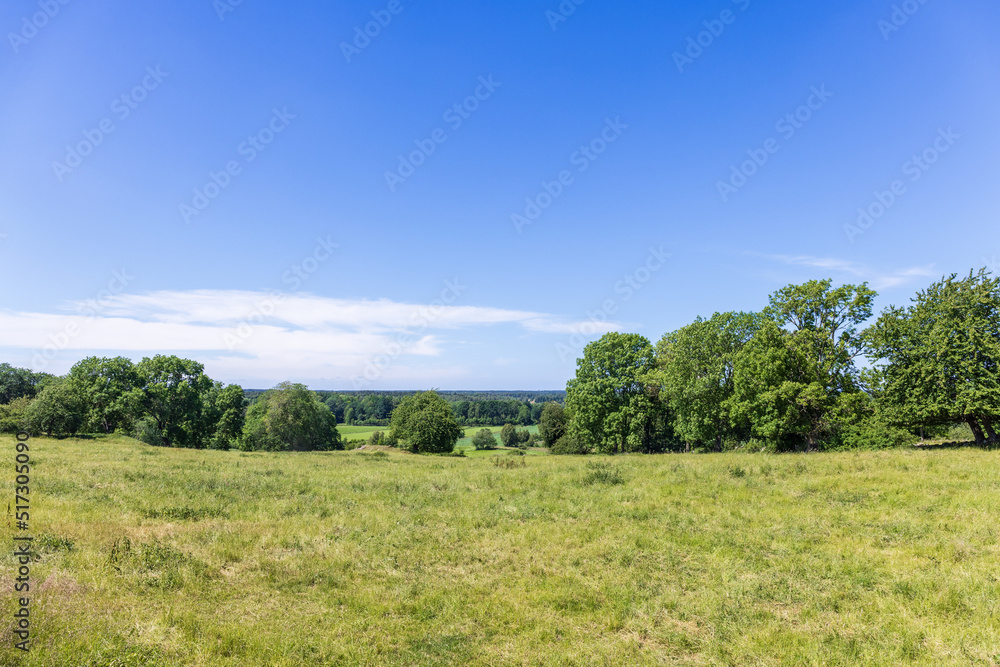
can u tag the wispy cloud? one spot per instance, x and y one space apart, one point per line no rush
302 335
879 279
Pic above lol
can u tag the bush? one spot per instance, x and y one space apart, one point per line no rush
148 432
871 434
484 439
426 423
508 436
13 416
290 418
602 473
569 444
58 410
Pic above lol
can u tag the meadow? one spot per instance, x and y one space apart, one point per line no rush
152 556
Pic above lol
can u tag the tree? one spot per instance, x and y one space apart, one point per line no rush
611 400
16 383
58 409
508 436
941 356
524 415
552 423
107 387
484 439
792 385
426 423
290 418
13 415
226 408
174 393
696 370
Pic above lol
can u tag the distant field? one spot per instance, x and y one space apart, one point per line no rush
358 432
465 444
157 557
364 432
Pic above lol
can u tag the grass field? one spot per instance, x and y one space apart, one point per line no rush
358 432
151 556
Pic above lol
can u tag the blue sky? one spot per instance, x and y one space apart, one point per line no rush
266 189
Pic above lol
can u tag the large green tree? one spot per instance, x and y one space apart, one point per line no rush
425 422
16 383
696 369
225 408
108 388
290 418
792 381
940 358
612 401
173 392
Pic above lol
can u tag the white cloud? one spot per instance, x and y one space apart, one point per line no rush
878 279
265 336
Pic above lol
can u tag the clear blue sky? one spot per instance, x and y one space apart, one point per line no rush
98 254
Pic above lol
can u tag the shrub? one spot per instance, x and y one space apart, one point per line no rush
13 415
484 439
602 473
290 418
58 409
508 436
426 423
509 463
872 434
148 432
569 444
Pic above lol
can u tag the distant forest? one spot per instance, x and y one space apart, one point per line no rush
471 408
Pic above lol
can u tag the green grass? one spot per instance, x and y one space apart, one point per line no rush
151 556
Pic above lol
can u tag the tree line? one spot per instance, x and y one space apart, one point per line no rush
170 401
803 374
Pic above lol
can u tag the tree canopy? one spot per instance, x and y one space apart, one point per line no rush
612 399
940 358
290 418
425 423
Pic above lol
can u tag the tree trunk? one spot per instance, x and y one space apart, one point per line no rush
988 425
718 443
978 432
